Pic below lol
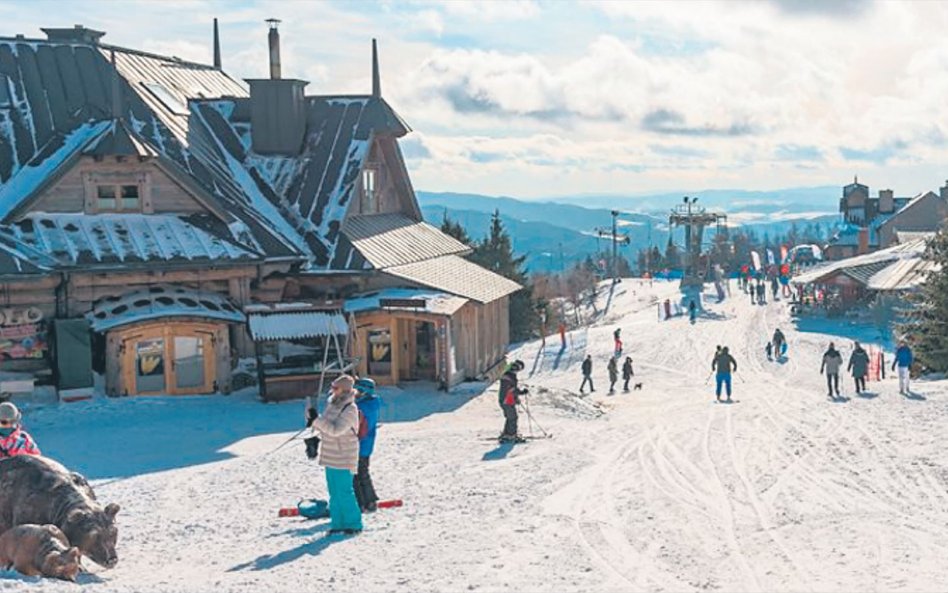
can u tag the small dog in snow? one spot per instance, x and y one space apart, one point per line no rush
637 387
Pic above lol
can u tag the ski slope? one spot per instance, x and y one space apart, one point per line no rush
658 489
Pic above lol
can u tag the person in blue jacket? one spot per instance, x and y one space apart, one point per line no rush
903 360
369 407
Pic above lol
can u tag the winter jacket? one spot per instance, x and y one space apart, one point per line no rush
832 361
587 367
18 442
613 370
509 392
370 406
723 363
627 372
859 363
903 357
778 337
338 430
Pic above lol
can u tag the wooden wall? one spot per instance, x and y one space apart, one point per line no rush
480 335
393 187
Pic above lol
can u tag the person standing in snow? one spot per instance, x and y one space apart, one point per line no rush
723 364
627 373
587 374
509 396
774 287
617 342
13 439
338 430
769 349
761 293
613 374
692 310
859 365
903 360
778 340
370 407
832 361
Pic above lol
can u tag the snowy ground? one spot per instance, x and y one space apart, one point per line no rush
660 489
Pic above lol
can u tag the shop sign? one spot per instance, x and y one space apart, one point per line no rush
22 341
403 303
25 316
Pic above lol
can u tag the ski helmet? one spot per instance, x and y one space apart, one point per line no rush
8 411
365 385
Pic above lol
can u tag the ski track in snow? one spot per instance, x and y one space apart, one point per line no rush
667 490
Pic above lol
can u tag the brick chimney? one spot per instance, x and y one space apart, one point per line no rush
863 241
886 201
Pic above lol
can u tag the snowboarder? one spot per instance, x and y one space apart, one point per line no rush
769 349
338 430
778 340
627 373
903 360
587 374
832 361
613 374
617 342
723 363
13 439
859 365
692 310
370 407
509 396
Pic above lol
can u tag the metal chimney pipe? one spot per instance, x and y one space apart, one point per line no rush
274 39
217 47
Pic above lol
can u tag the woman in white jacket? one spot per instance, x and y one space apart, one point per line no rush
338 431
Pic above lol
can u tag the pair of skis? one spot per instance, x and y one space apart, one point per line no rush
382 504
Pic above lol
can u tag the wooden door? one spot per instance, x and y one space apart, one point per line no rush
172 359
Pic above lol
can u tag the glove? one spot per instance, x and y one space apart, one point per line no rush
311 415
312 447
522 391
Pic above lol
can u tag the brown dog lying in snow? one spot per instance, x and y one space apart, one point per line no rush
39 550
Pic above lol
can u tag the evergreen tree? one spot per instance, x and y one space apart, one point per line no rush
454 229
926 328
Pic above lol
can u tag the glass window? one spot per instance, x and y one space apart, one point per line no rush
150 366
368 189
106 197
189 362
130 197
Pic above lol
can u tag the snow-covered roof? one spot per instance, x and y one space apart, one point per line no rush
160 302
387 240
438 303
900 251
294 325
81 239
456 275
903 274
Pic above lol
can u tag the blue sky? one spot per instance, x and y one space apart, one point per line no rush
534 99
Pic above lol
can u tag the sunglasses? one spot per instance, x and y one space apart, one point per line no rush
7 423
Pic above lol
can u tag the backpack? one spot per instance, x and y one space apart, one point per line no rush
363 426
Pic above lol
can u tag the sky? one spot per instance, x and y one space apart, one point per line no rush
535 99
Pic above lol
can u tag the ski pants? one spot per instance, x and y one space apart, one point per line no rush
860 383
587 378
903 379
722 379
362 484
832 380
344 512
625 386
510 419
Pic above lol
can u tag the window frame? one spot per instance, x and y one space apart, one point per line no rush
370 197
119 198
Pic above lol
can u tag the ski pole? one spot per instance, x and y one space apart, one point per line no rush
709 377
532 419
289 440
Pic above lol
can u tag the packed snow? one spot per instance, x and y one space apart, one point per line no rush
657 489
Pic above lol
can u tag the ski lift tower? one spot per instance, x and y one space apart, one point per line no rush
694 219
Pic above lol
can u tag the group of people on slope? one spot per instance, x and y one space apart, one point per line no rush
859 367
346 431
775 347
612 367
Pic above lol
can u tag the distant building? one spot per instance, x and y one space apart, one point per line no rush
869 224
157 220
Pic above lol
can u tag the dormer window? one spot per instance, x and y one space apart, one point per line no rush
369 190
118 198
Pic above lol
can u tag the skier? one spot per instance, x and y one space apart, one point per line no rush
338 430
587 374
13 439
509 396
778 340
627 373
370 406
859 365
613 374
692 310
723 363
832 361
769 349
617 342
903 360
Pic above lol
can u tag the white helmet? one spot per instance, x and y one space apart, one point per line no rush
9 412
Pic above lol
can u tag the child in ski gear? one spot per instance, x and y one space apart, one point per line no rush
903 360
617 342
778 340
613 374
832 361
509 396
859 365
627 373
13 439
723 363
338 430
369 406
587 374
692 310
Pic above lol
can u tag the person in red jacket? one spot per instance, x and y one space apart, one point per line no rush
13 439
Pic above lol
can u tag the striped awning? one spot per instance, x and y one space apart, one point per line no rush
296 325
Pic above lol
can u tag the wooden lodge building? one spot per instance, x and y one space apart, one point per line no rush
160 221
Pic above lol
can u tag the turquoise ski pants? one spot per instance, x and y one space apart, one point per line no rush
344 512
